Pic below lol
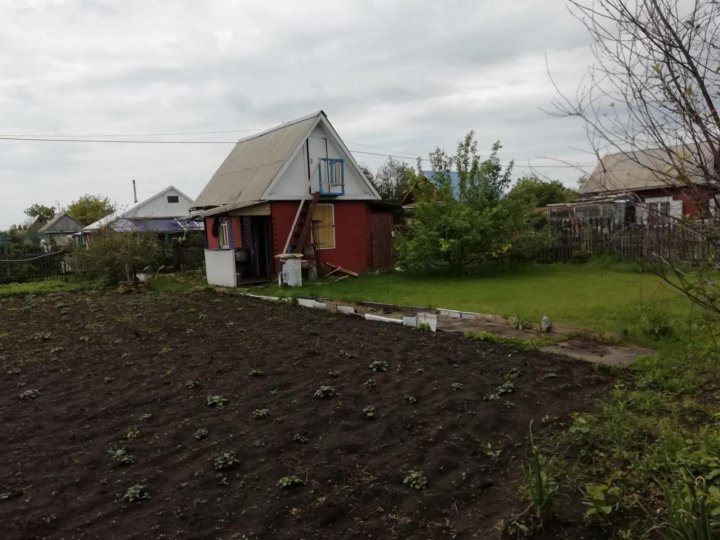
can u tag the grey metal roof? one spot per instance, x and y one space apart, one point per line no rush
635 171
254 163
132 212
61 223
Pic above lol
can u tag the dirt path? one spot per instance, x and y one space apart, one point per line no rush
107 372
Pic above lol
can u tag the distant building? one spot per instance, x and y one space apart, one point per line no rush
165 213
643 187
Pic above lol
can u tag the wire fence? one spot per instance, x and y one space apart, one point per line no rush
36 266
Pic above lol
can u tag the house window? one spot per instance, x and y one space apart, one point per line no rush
332 177
173 199
224 234
658 209
324 226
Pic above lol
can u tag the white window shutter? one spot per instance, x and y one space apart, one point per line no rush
641 213
676 209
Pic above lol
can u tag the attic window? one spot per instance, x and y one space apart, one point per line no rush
173 199
332 177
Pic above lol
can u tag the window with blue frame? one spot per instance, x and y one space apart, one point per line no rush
332 177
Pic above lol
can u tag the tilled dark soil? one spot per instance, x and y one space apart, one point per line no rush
135 372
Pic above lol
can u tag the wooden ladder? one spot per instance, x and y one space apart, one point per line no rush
300 232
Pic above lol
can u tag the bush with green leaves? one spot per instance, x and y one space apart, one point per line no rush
225 461
287 482
216 401
116 256
201 434
460 224
415 479
601 501
32 393
369 412
261 414
136 493
324 392
379 365
121 457
412 400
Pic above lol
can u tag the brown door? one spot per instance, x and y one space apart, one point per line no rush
381 242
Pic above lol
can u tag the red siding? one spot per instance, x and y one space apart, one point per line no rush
352 233
692 198
212 241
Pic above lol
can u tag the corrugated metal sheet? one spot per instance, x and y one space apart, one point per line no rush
644 170
252 208
254 163
161 225
135 211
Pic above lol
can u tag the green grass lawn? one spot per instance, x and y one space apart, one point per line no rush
587 296
41 287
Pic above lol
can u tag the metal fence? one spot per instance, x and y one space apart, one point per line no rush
669 239
34 266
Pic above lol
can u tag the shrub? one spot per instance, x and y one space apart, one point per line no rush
324 392
136 493
416 479
114 256
226 461
287 482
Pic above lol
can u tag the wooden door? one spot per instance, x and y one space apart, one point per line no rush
381 241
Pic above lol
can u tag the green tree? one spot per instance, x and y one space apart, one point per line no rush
113 256
393 180
537 193
457 227
89 208
40 211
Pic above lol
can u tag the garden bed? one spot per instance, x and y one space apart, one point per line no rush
115 435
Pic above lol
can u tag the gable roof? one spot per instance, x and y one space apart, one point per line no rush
61 223
256 163
646 169
134 211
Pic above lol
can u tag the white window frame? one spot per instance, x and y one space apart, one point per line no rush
223 234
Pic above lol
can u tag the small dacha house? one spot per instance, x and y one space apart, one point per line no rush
294 189
645 188
166 214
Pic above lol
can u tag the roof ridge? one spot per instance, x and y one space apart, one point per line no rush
283 125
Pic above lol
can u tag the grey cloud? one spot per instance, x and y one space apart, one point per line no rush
402 75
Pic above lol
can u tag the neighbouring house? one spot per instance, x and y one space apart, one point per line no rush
643 188
294 189
165 214
59 230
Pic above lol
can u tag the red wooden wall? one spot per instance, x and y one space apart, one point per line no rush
352 233
691 198
236 237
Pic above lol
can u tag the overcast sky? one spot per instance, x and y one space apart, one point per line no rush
394 77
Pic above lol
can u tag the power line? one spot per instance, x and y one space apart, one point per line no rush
111 141
409 154
101 135
139 141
